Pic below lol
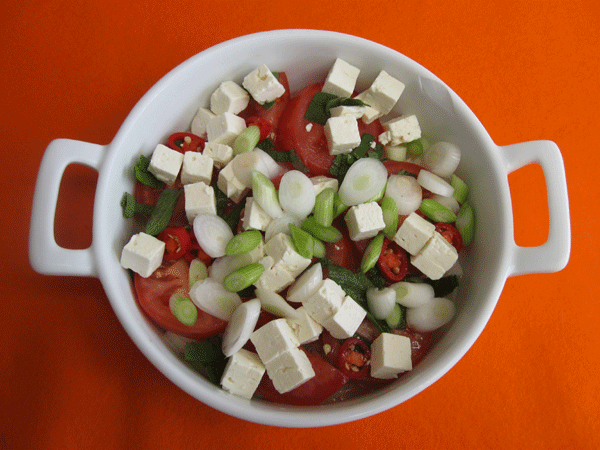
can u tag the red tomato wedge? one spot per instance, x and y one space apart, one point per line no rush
326 382
153 295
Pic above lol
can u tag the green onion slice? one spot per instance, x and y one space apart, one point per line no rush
372 253
465 223
243 277
389 208
324 207
436 211
243 242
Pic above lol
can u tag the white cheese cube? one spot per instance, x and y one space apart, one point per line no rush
199 199
224 128
325 302
196 167
344 323
281 248
275 277
400 130
143 254
221 154
436 257
289 370
201 119
273 339
305 327
342 134
414 233
364 221
370 114
243 373
229 184
229 97
341 79
165 163
356 111
322 182
255 217
383 93
390 355
263 85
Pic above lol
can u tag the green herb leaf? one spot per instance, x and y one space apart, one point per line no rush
162 211
144 176
317 109
297 162
266 144
365 145
279 156
208 353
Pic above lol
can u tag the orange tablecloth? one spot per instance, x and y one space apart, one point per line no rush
69 375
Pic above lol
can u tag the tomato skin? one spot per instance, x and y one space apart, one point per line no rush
341 252
450 233
153 295
326 382
419 343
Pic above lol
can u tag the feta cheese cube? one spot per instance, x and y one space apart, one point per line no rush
243 373
382 95
224 128
229 184
364 221
342 134
199 199
344 323
196 167
281 248
229 97
325 302
414 233
390 355
305 327
356 111
165 164
273 339
275 277
263 85
221 154
341 79
201 119
255 217
322 182
289 370
436 257
400 130
143 254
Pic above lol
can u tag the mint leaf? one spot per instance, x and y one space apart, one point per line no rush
317 109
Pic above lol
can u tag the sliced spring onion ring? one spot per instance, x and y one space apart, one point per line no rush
324 207
211 297
302 240
240 327
389 209
212 234
442 158
431 315
197 271
273 168
281 225
396 316
434 183
296 194
449 202
245 163
265 194
381 302
412 295
436 211
365 179
465 223
406 192
275 304
461 189
306 284
372 252
243 242
246 140
243 277
183 309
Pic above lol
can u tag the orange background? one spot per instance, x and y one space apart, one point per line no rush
69 375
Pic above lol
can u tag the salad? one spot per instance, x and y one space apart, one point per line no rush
299 248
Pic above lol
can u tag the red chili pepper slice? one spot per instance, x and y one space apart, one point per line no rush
262 124
354 358
185 142
450 233
177 242
393 261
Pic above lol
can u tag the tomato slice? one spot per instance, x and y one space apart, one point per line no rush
419 343
153 295
393 261
341 252
395 167
326 382
308 138
450 233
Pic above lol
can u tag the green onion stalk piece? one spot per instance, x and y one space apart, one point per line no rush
436 211
243 277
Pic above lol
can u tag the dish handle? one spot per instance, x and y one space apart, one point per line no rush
45 255
553 255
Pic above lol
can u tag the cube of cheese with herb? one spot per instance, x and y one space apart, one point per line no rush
400 130
229 97
229 184
224 128
305 327
325 302
201 119
289 370
273 339
343 110
390 355
221 154
342 134
414 233
143 254
382 95
199 199
436 257
255 217
243 373
322 182
263 85
341 79
364 221
196 167
344 323
165 164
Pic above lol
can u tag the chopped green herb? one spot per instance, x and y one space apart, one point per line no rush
131 206
266 144
144 176
317 109
297 162
162 211
208 353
